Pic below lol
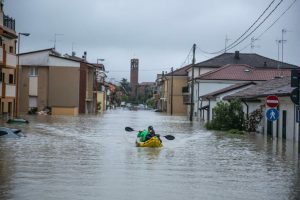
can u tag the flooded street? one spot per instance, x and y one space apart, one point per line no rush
92 157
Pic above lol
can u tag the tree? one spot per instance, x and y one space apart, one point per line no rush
227 116
125 85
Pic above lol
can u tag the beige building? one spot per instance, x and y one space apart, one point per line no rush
8 63
171 94
63 84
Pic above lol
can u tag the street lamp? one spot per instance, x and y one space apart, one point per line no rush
17 73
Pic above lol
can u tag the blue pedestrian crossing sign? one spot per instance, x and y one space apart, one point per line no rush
272 114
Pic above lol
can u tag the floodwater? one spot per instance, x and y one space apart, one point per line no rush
92 157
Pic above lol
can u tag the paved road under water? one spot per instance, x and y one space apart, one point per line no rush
92 157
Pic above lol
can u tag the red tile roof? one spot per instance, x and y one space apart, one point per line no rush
244 73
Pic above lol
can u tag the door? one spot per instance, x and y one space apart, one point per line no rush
284 114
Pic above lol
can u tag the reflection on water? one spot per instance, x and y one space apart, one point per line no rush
92 157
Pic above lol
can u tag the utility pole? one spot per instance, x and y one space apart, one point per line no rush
192 85
172 91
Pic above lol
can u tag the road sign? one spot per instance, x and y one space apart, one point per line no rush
298 114
272 114
272 101
295 96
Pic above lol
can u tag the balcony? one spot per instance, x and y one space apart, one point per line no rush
10 90
9 22
11 60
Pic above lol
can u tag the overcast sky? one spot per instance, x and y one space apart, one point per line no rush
160 33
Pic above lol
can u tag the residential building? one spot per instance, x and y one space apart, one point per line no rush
171 99
229 77
8 64
100 88
254 61
209 101
145 88
254 97
63 83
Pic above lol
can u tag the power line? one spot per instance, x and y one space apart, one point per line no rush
271 24
252 24
187 57
258 25
232 45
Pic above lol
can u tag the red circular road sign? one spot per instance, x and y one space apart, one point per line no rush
272 101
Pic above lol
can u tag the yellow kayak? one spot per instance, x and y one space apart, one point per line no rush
152 142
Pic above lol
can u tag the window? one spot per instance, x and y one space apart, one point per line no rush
33 71
11 78
11 49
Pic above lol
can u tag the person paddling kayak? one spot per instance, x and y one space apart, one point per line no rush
147 134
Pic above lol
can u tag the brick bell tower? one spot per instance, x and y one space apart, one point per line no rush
134 76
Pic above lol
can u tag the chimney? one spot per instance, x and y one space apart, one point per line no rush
237 55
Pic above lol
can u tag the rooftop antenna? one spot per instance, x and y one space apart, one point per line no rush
55 35
226 41
283 31
253 39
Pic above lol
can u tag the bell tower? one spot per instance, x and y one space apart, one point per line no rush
134 76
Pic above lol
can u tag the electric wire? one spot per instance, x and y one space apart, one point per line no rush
252 24
234 45
271 24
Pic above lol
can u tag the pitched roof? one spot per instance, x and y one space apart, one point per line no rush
277 86
251 59
227 89
243 73
179 72
50 50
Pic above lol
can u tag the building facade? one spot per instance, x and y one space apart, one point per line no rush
63 84
8 64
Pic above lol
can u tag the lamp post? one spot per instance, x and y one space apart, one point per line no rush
17 73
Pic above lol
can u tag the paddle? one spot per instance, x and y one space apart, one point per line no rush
168 137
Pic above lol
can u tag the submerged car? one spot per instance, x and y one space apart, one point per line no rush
10 133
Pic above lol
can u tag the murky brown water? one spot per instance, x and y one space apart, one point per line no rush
92 157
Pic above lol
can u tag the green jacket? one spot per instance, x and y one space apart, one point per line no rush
142 135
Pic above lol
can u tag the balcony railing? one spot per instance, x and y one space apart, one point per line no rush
9 22
10 90
11 60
